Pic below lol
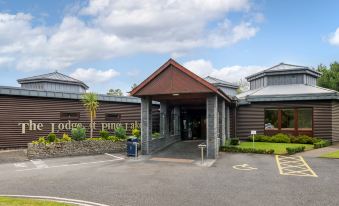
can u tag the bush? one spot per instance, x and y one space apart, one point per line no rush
41 140
51 137
104 134
246 150
136 133
65 138
155 135
321 143
114 138
234 141
281 138
304 139
78 133
120 132
293 150
257 138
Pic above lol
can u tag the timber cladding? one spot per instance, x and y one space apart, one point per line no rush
251 117
17 112
335 120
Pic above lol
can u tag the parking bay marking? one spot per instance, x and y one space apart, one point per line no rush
294 165
244 167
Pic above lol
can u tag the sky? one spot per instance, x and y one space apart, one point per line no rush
116 43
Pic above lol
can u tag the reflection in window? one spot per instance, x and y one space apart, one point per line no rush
271 119
305 119
287 119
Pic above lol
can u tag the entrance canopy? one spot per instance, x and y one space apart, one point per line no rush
176 84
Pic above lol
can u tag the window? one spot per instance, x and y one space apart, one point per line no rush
305 119
112 116
271 119
287 119
69 115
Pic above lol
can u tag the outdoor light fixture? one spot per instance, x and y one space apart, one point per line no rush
175 94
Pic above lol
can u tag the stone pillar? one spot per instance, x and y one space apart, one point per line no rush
163 120
146 124
228 120
212 126
176 120
222 119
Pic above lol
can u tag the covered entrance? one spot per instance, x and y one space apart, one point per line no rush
190 109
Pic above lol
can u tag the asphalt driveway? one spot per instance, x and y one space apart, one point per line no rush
114 181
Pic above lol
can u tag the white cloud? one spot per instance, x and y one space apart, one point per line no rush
105 29
334 38
232 74
94 75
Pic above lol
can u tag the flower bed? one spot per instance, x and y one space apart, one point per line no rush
74 148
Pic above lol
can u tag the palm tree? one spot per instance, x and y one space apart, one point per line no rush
90 101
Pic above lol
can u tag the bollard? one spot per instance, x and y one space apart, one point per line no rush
202 146
136 150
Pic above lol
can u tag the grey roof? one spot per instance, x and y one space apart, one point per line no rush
53 77
17 91
219 82
287 93
283 68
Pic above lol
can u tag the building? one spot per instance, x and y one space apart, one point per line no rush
179 105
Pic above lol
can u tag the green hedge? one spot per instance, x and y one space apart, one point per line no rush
321 143
285 138
245 150
293 150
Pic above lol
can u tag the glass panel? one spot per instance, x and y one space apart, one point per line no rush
271 119
287 119
305 119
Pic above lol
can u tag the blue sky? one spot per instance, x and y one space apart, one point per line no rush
113 44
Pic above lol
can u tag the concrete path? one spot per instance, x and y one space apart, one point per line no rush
10 156
320 151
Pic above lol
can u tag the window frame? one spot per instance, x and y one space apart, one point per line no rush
108 118
69 117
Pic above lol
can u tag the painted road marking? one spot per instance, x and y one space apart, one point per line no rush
121 158
21 165
58 199
244 167
68 165
176 160
39 164
294 165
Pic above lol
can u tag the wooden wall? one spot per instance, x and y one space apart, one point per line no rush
21 109
251 117
335 121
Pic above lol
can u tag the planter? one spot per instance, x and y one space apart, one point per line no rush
74 148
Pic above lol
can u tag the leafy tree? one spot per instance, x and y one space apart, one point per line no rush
330 76
133 86
243 86
115 92
90 101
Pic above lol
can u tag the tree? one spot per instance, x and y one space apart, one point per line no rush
330 76
115 92
133 86
243 86
90 101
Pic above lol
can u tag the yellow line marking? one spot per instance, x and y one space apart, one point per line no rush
294 165
161 159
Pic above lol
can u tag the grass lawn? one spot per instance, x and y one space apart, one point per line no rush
8 201
279 148
331 155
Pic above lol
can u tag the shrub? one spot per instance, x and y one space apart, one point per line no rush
246 150
104 134
321 143
257 137
304 139
41 140
120 132
136 133
155 135
293 150
281 138
78 133
51 137
234 141
66 138
114 138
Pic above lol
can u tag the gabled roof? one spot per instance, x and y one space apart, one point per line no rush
137 91
283 68
53 77
219 82
288 92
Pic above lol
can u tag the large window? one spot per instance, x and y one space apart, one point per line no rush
287 119
292 120
69 115
271 119
305 119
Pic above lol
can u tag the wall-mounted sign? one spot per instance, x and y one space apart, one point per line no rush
253 132
69 125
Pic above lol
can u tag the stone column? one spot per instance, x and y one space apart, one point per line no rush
212 126
222 119
176 120
228 120
146 124
163 120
